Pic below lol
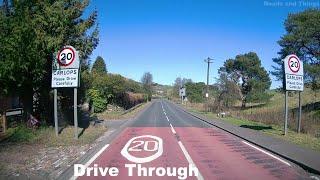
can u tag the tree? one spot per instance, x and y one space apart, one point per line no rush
228 91
5 7
195 91
99 65
246 69
178 83
112 89
303 39
147 81
30 33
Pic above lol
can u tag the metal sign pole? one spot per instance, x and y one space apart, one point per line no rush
300 110
286 114
75 113
55 111
182 100
4 122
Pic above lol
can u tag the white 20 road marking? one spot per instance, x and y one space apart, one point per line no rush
92 159
184 150
265 152
158 148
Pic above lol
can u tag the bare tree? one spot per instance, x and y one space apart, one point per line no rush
147 80
228 92
179 82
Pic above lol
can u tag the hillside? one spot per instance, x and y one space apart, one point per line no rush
273 111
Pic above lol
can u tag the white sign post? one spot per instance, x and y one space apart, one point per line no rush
293 76
293 69
65 73
65 68
182 93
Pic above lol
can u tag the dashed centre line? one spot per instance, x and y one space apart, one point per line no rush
165 114
167 118
184 150
172 129
189 159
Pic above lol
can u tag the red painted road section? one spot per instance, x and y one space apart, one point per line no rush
217 154
220 155
172 155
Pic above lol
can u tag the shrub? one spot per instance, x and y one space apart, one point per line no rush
20 134
99 102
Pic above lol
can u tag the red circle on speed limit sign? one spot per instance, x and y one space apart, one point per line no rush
294 64
66 56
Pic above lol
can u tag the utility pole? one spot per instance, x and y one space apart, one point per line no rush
209 61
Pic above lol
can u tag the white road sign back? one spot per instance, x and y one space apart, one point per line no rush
182 92
293 69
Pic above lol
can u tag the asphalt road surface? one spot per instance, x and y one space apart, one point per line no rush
165 142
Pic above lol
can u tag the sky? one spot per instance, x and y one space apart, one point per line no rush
171 38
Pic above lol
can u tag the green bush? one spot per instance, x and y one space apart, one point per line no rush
195 91
20 134
99 102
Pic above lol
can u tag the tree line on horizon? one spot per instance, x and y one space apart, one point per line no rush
240 79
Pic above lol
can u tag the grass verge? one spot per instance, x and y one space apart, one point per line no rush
46 136
303 140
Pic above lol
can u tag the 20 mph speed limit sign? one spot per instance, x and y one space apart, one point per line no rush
66 58
65 68
293 69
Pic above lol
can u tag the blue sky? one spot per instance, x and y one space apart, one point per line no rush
171 38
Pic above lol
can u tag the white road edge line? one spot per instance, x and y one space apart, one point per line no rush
269 154
172 129
190 161
92 159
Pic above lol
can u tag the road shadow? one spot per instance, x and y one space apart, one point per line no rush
258 128
260 105
86 120
83 121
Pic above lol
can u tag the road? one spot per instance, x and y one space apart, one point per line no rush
166 142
